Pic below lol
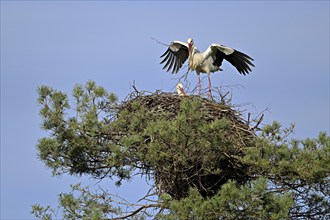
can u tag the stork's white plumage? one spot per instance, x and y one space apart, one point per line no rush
208 61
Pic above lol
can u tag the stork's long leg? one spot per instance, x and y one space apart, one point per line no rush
209 77
199 84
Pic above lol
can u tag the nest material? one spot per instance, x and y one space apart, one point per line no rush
192 173
170 103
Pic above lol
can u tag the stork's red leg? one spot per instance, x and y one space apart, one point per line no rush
208 75
199 84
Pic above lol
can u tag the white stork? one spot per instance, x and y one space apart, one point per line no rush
208 61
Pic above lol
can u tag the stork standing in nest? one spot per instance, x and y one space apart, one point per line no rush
207 62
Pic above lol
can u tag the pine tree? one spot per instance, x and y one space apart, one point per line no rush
204 159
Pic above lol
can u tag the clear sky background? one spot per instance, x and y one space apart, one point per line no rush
64 43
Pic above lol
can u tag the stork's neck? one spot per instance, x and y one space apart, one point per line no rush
191 57
192 51
192 63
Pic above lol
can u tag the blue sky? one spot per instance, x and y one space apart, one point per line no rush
62 43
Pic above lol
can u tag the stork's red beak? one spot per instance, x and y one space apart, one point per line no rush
182 91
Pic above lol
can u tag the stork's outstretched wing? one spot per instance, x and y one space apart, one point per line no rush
239 60
177 54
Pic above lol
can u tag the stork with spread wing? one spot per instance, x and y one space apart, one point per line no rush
208 61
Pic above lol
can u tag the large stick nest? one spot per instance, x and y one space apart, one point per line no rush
208 162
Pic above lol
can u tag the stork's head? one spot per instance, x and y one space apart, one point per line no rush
190 42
